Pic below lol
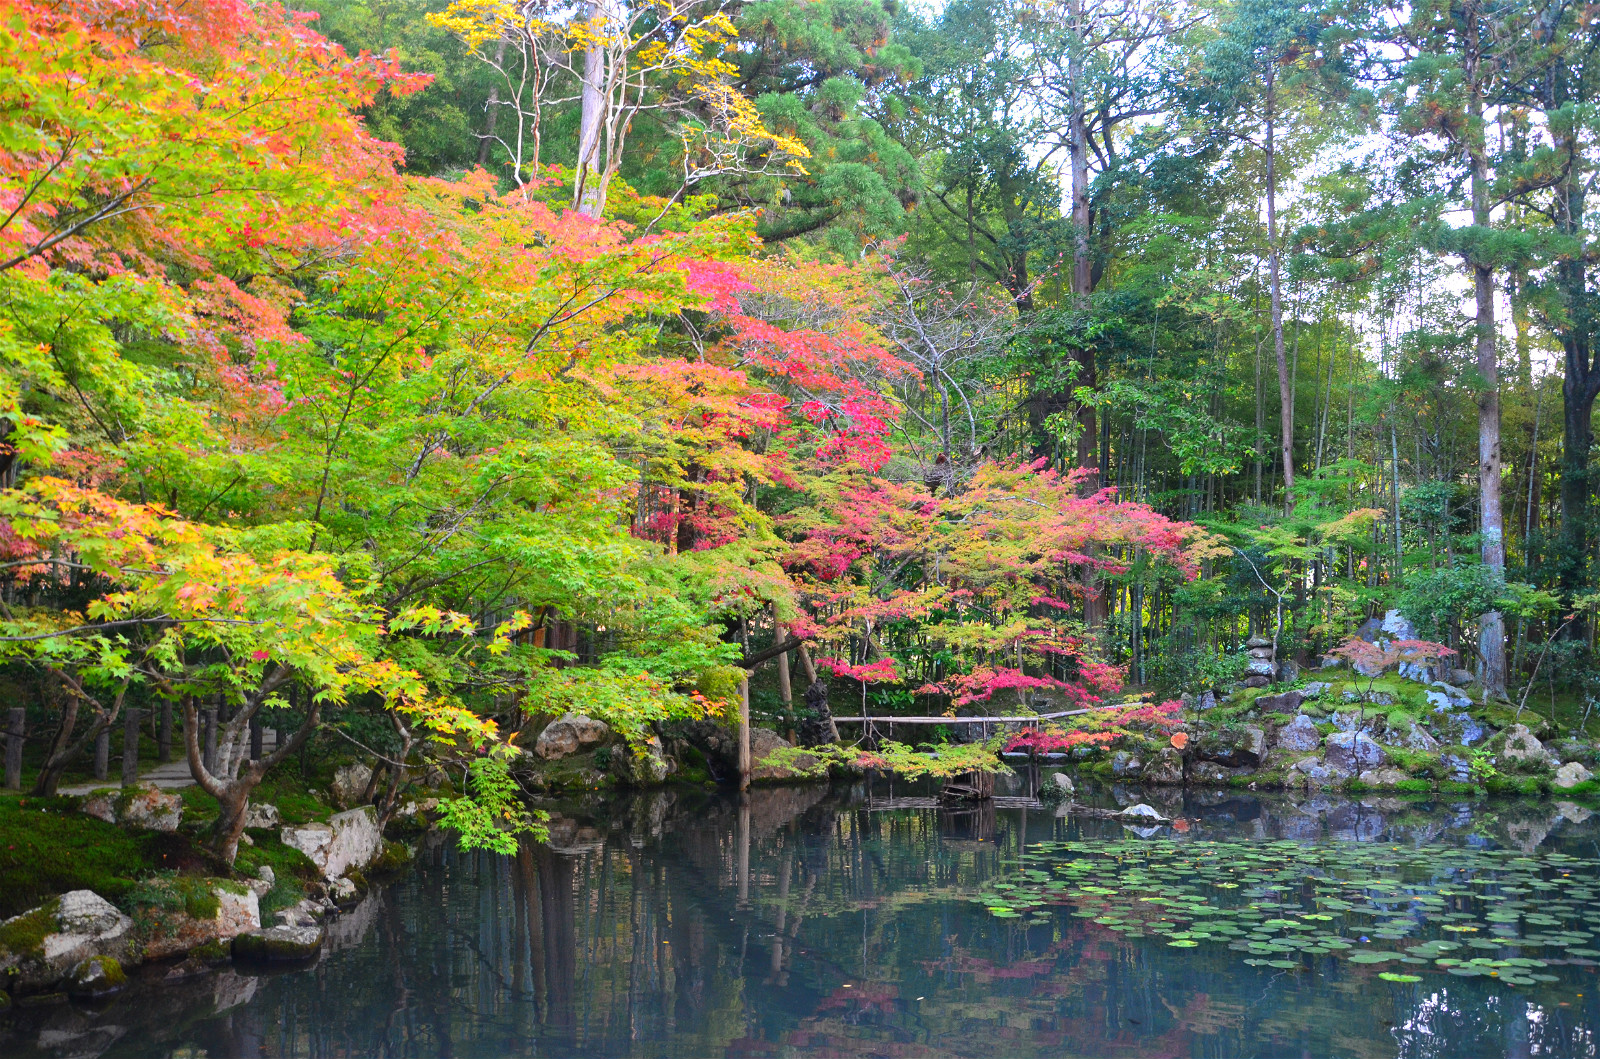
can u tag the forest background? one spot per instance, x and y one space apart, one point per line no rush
410 368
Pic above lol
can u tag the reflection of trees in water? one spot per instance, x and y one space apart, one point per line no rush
786 922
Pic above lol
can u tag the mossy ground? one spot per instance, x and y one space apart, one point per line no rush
47 848
171 893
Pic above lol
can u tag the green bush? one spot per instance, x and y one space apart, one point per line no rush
1414 786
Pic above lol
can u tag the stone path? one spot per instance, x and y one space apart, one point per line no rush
172 775
168 777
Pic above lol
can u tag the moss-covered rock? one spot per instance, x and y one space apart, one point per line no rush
39 948
394 858
279 944
177 914
96 976
24 935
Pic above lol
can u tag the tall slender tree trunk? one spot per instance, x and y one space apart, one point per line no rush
1285 383
1491 522
492 117
589 192
1082 276
1580 381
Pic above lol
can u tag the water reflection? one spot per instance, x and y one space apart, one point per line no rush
809 922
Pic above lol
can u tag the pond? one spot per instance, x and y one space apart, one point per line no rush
848 922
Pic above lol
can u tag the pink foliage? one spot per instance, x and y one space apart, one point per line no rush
1037 742
879 672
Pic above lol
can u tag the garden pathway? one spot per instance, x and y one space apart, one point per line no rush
170 776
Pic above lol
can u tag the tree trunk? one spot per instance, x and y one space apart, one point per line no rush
130 748
492 109
164 733
49 777
1285 383
1492 629
806 665
233 792
1082 282
16 732
1578 390
63 750
589 193
1491 522
102 753
785 688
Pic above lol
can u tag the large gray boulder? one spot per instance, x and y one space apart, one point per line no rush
720 745
1416 737
1447 696
279 944
1354 752
1571 774
348 840
570 734
143 806
1397 626
238 910
1459 727
264 814
1317 773
1166 769
39 948
1522 746
1299 735
1126 765
764 741
1242 747
349 784
1209 773
1283 702
645 765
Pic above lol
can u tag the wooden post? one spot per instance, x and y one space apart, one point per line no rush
16 730
785 691
102 754
744 733
209 758
130 746
164 733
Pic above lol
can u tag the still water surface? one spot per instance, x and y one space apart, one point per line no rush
806 922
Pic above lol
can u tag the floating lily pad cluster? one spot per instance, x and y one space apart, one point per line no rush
1467 912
